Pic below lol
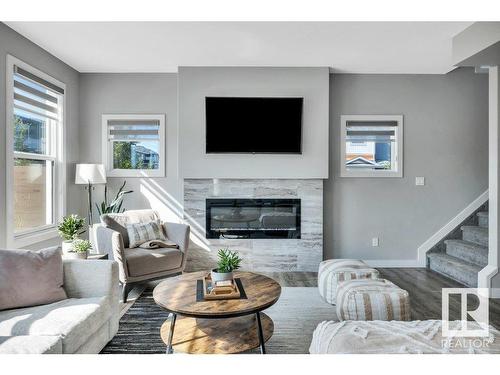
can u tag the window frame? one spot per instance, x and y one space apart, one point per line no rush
344 172
45 232
107 151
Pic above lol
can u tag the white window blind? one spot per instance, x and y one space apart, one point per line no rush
127 130
35 95
363 131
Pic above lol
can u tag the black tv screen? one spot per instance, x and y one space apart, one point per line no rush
253 125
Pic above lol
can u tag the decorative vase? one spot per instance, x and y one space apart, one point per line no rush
220 276
75 255
67 246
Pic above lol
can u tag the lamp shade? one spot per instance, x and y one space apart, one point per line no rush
90 173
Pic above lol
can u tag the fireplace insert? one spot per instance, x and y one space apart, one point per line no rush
253 218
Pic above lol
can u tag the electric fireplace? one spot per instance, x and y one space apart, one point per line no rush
253 218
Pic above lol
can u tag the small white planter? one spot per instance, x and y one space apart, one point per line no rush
75 255
67 246
220 276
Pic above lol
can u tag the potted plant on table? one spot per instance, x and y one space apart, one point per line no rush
69 230
80 249
228 262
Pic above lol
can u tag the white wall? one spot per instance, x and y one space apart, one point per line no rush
20 47
136 94
195 83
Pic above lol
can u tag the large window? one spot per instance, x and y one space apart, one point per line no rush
34 153
134 145
371 146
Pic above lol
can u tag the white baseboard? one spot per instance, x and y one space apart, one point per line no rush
452 224
392 263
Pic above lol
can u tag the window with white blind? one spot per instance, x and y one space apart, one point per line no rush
371 146
35 196
134 145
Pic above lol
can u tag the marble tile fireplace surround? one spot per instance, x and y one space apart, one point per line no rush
260 254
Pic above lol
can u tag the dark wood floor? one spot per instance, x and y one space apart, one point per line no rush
423 285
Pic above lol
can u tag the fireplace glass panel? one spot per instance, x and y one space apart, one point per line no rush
253 218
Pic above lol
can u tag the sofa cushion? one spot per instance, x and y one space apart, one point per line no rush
30 278
74 320
30 345
142 262
118 222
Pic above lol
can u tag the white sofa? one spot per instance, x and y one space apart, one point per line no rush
83 323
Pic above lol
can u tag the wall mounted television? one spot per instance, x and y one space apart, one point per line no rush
253 125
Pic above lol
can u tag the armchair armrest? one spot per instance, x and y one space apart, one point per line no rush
91 278
111 242
179 233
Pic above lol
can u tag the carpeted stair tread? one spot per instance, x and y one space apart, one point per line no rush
468 251
455 268
475 234
482 218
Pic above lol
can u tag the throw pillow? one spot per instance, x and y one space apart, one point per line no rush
144 232
30 278
118 221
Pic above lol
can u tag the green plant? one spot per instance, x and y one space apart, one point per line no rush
385 164
71 227
116 204
228 261
81 246
122 155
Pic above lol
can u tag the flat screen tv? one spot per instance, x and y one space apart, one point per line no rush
253 125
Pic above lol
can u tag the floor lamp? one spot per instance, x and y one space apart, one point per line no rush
90 174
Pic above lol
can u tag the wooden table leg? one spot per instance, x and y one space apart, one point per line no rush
261 336
171 334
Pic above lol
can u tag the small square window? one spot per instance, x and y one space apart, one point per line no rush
134 145
371 146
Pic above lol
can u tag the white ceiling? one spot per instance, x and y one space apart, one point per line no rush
347 47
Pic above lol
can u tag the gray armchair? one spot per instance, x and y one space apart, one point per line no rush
137 264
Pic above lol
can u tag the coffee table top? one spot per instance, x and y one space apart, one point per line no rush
178 295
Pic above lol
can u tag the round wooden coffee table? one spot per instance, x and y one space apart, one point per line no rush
216 326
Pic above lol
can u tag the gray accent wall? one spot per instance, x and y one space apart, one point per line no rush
195 83
445 141
130 93
446 130
14 44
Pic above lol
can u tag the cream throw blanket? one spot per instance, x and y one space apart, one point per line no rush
381 337
155 244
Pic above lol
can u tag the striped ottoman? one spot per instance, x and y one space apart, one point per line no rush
333 271
372 300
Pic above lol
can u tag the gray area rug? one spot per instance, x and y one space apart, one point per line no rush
295 316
